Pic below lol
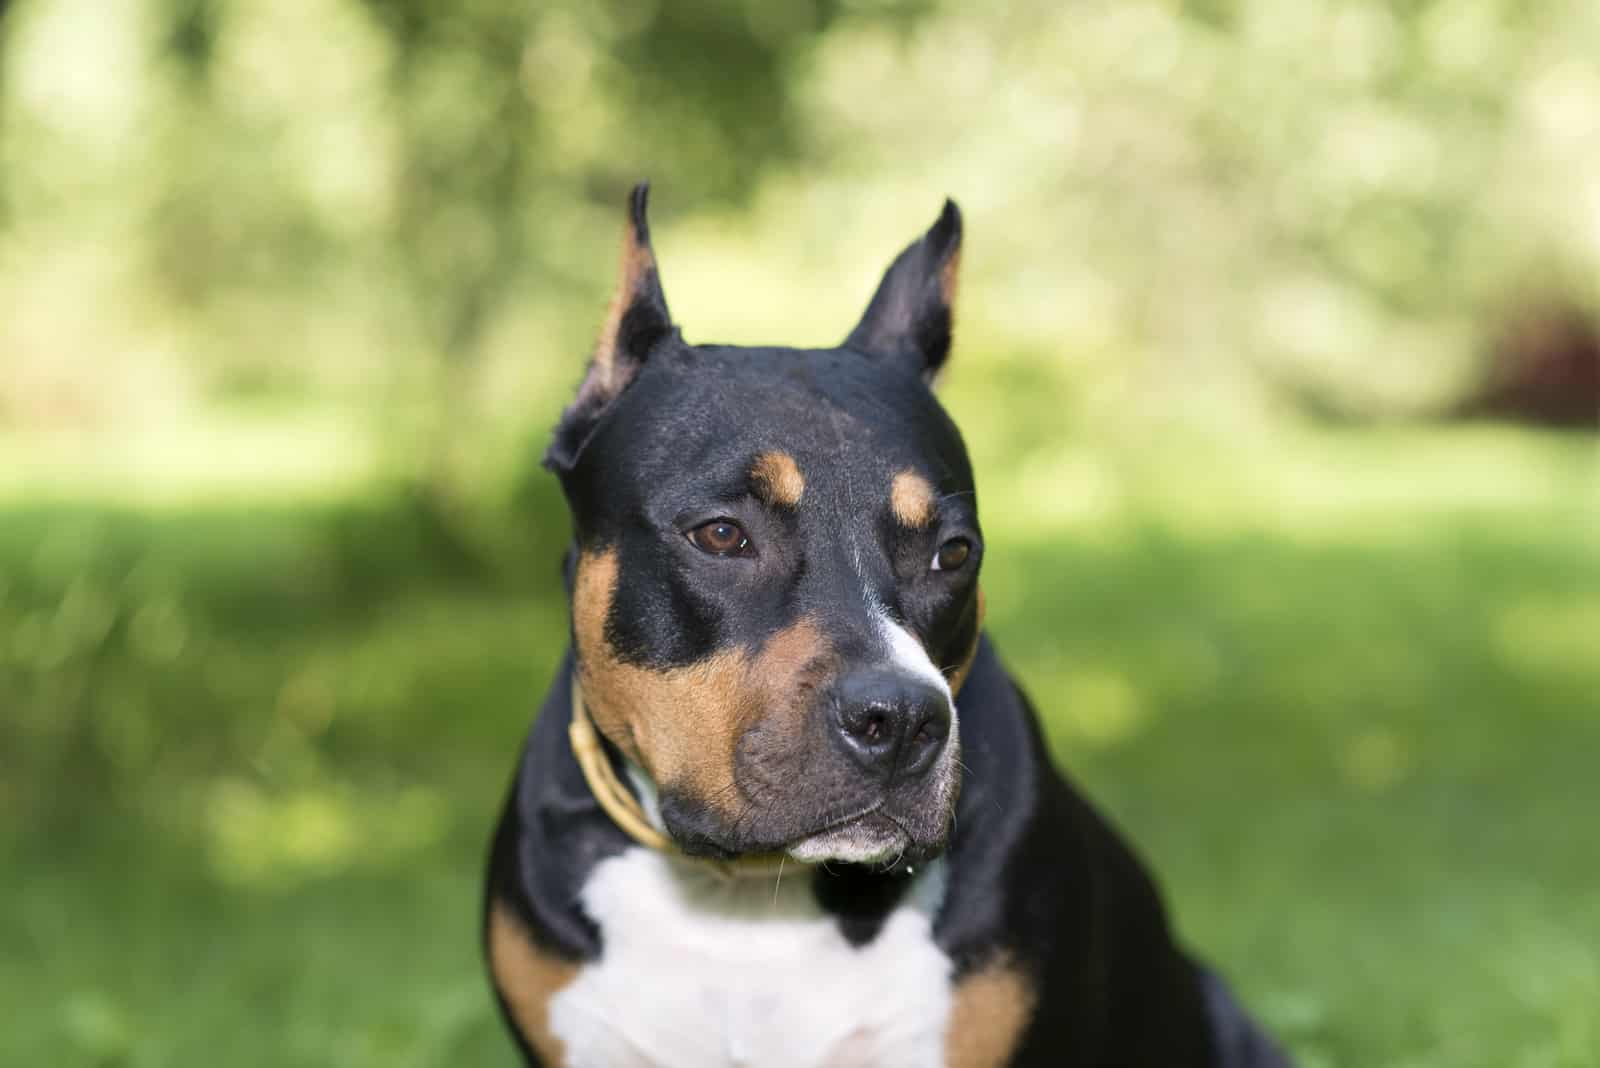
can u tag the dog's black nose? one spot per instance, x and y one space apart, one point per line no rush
891 725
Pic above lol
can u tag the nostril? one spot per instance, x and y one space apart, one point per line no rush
870 728
927 739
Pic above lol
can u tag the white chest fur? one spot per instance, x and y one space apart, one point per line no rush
701 972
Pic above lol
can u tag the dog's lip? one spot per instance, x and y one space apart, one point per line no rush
900 822
895 823
828 828
725 850
891 845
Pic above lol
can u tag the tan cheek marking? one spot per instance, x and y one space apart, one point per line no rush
778 479
527 978
788 652
911 499
779 671
959 676
679 724
682 724
635 260
990 1010
689 721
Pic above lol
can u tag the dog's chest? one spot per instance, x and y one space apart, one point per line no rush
699 972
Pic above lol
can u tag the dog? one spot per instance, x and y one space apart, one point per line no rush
782 804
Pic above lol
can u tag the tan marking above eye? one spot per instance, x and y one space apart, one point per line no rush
911 499
777 479
682 724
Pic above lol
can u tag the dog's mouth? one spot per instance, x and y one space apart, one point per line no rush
875 839
907 824
884 838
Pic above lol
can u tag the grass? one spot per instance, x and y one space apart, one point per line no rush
1341 690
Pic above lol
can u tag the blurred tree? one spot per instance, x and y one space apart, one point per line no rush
191 33
492 122
371 202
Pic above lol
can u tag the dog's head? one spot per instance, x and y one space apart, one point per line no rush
775 591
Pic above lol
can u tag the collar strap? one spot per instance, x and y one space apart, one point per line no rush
626 812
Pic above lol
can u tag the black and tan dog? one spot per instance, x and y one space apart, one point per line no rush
783 805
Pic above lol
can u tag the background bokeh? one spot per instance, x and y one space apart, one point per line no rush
1276 353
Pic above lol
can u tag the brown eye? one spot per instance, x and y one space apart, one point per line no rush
952 554
721 537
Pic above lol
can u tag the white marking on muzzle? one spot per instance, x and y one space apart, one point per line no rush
908 654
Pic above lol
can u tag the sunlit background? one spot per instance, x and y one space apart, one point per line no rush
1276 352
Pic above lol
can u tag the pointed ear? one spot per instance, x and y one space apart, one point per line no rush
909 318
635 322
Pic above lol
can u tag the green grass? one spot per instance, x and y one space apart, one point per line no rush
1343 691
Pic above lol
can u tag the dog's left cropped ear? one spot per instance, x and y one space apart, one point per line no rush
636 322
909 318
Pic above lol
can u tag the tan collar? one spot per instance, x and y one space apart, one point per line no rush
626 813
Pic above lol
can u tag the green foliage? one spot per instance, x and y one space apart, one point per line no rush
127 632
410 206
1340 691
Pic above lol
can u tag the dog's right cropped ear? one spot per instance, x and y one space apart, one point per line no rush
635 323
909 319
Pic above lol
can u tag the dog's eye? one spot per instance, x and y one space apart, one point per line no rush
952 554
722 537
